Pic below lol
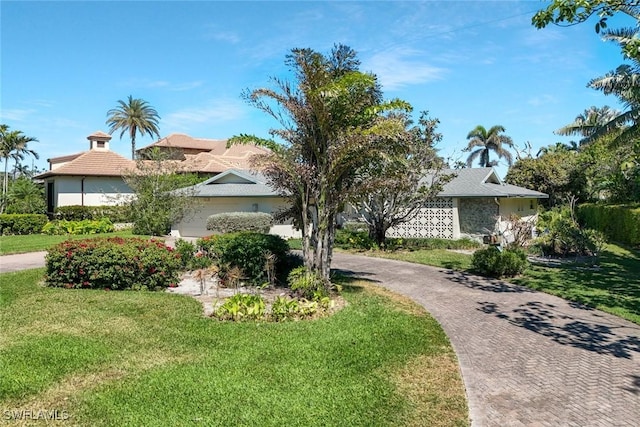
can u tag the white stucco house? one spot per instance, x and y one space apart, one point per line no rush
232 191
95 177
88 178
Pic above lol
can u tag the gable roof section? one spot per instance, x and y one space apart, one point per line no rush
233 183
482 182
92 163
181 140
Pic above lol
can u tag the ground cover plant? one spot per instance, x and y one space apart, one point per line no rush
149 358
40 242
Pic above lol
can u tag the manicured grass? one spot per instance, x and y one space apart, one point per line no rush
614 287
143 358
42 242
436 257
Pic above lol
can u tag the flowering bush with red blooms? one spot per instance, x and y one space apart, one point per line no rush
113 263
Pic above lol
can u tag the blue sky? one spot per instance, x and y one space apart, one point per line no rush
64 64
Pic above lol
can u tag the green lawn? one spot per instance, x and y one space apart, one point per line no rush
42 242
142 358
614 287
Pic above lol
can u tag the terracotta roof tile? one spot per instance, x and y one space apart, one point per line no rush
95 163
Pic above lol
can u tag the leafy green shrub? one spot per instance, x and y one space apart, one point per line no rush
192 259
85 226
493 262
249 251
242 307
360 240
112 263
306 284
232 222
22 223
618 222
561 235
79 213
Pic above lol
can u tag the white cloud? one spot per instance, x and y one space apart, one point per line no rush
215 112
399 67
16 114
163 84
542 100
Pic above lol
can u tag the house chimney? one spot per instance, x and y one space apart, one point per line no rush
99 141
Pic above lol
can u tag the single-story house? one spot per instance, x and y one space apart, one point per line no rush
95 177
231 191
475 203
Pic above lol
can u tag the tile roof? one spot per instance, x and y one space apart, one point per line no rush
93 163
180 140
481 182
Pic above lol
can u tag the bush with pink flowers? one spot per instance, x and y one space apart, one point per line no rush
113 263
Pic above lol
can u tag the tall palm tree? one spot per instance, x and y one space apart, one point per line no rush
135 116
589 122
13 145
487 141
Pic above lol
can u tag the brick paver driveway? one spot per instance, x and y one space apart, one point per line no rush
527 358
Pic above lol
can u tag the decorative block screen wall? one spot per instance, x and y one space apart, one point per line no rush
434 220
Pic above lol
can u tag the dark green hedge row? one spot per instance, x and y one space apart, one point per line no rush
79 213
620 223
22 223
113 263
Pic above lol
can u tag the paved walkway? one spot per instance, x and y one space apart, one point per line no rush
527 358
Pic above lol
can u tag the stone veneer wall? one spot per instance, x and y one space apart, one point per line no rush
434 220
478 215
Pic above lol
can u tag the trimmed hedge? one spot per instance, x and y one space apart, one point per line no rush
620 223
112 263
233 222
494 262
247 251
79 213
86 226
22 223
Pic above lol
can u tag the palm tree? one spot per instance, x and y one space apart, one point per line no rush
488 140
13 145
135 116
588 123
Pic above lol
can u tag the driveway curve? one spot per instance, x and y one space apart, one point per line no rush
527 358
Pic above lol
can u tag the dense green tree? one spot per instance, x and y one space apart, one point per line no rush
557 173
332 125
155 205
396 185
135 116
13 145
486 141
26 197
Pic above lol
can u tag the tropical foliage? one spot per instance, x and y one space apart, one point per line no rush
135 116
483 141
333 123
13 146
396 185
